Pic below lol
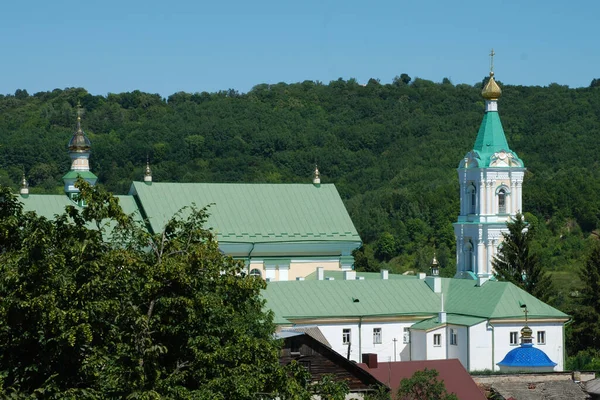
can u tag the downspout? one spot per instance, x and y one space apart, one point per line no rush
468 349
360 339
493 343
564 340
250 256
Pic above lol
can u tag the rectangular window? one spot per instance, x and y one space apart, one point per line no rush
305 364
437 339
514 338
541 337
346 336
453 337
376 335
406 338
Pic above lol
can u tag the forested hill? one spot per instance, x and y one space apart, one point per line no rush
392 150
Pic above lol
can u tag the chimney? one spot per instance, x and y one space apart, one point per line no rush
434 283
442 317
320 273
370 359
421 275
384 274
481 280
349 275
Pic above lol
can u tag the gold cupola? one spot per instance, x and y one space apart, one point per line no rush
491 91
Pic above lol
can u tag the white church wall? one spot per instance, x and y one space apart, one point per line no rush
480 347
458 350
418 345
553 335
437 351
366 342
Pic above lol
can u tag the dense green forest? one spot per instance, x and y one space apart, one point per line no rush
392 151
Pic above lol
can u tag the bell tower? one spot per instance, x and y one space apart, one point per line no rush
490 178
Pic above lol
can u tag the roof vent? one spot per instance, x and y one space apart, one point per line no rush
349 275
384 274
421 275
481 280
299 278
330 278
360 278
320 273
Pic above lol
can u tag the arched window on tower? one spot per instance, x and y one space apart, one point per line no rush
469 256
472 198
502 201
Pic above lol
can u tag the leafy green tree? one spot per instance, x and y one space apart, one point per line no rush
586 330
385 247
517 263
424 385
93 306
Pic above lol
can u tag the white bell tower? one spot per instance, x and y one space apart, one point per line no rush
490 178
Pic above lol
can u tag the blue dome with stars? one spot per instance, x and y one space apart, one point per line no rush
527 356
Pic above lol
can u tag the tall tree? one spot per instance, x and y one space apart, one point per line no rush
94 306
516 262
586 330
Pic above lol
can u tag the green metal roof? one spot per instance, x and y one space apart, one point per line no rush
83 174
366 275
254 213
491 139
397 297
50 205
451 319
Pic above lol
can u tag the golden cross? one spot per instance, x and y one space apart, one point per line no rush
492 54
79 109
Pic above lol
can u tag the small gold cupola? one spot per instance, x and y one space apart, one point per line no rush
316 176
24 190
148 173
491 91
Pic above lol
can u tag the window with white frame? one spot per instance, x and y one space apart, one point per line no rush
502 201
453 337
255 272
346 336
541 337
376 335
514 338
406 337
437 339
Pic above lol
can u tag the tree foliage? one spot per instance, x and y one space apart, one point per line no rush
586 330
424 385
94 306
517 262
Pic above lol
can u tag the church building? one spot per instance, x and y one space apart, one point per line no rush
280 231
490 178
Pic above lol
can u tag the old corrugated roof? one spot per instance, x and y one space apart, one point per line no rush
254 213
397 297
455 377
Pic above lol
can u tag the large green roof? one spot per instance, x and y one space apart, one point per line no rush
491 139
401 297
49 205
254 213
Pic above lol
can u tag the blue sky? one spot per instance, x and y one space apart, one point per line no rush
183 45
